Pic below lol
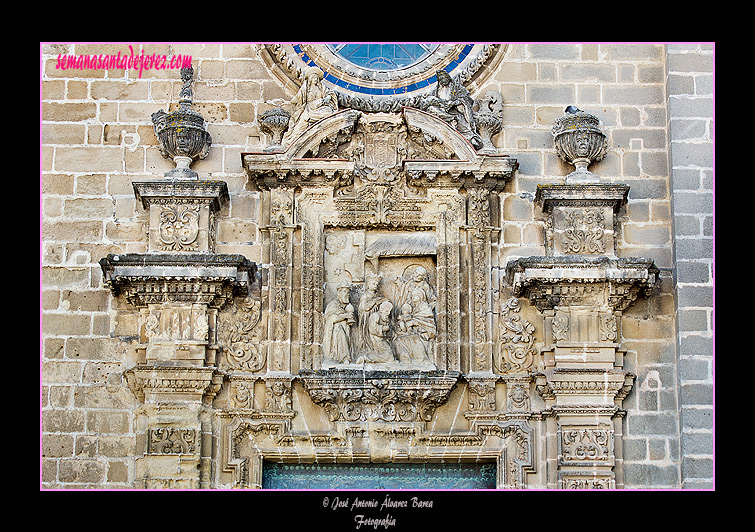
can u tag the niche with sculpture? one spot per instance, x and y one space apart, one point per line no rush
381 306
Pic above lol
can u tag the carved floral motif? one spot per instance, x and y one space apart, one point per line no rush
179 227
516 337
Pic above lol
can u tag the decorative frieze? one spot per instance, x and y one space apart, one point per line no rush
350 395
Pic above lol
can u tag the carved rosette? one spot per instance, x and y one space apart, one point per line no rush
353 395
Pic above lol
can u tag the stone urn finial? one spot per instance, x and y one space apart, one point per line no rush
182 134
488 117
274 122
580 142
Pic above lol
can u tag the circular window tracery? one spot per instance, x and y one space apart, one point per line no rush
382 76
377 56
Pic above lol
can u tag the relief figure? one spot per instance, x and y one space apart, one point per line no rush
339 320
312 103
368 307
378 331
416 331
452 103
394 332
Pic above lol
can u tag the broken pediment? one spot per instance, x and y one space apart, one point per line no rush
351 147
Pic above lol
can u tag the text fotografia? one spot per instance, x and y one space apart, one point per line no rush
140 62
357 505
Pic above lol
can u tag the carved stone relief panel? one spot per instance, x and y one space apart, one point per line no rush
241 335
380 294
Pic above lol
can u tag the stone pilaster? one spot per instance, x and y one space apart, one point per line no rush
581 287
179 287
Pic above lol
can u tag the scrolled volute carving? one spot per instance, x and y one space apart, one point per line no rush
516 337
239 334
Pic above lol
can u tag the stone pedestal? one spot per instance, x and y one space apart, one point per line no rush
581 288
179 287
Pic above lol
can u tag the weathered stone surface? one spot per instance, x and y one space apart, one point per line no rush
490 309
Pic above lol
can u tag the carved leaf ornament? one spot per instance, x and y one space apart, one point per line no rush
179 227
240 336
516 339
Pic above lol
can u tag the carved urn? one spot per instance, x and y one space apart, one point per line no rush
580 142
182 134
488 118
274 122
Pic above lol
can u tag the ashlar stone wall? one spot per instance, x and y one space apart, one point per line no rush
655 106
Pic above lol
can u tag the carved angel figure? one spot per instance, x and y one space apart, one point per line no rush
452 103
312 103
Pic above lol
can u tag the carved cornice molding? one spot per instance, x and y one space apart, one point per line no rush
587 382
581 195
356 395
212 279
166 383
214 193
599 281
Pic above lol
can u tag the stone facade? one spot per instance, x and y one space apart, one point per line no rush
249 261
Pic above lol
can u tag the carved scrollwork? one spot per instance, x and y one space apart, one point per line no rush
179 227
586 444
163 440
516 337
240 335
584 233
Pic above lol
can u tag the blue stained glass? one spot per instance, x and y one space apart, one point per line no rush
378 476
375 56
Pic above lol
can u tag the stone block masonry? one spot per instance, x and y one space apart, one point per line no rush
655 105
690 71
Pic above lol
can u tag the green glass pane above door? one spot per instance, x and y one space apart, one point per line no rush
378 476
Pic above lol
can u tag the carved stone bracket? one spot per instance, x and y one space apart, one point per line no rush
190 278
596 281
353 395
154 384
